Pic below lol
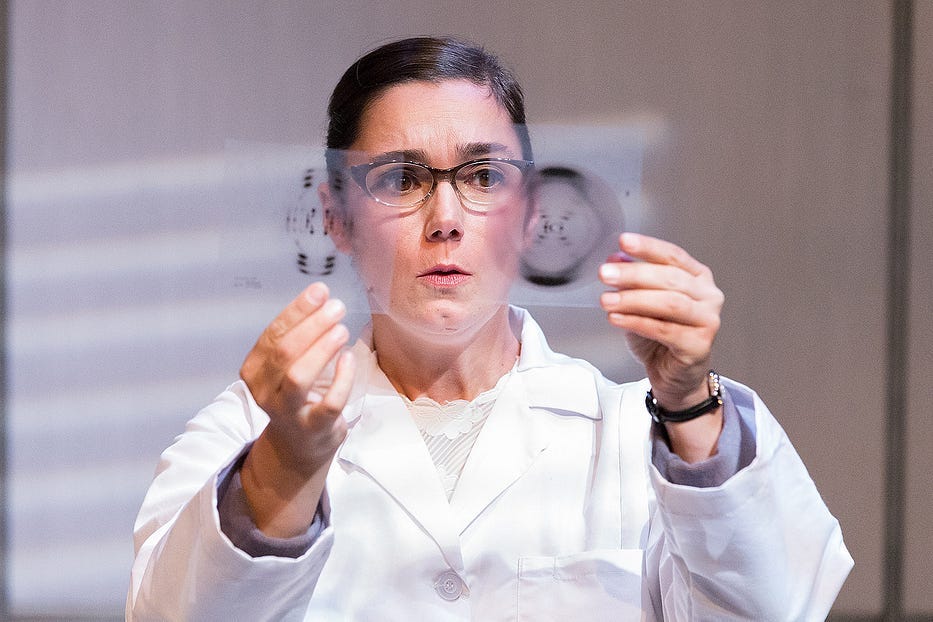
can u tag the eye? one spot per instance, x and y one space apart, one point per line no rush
394 179
486 177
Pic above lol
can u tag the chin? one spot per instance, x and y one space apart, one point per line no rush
450 318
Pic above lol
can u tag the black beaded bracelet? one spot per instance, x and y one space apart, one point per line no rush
714 401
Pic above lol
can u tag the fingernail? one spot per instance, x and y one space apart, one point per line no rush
333 308
316 293
629 240
346 357
609 271
610 299
339 333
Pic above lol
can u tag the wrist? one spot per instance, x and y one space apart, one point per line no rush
281 499
665 408
673 402
698 439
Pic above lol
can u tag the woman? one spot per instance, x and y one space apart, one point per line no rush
450 466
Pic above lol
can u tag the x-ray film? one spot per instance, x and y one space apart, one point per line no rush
372 243
588 190
275 242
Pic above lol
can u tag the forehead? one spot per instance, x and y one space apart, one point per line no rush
444 120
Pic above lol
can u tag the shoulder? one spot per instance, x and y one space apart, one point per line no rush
537 353
535 350
554 377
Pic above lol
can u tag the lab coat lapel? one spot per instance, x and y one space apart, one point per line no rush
385 443
506 447
519 428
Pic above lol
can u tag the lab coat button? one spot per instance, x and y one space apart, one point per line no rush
448 585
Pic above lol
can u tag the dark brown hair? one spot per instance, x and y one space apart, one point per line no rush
429 59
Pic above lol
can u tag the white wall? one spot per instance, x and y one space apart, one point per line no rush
767 160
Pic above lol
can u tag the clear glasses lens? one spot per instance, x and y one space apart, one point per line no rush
489 183
399 183
486 183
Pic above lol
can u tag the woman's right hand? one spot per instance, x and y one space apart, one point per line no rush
297 373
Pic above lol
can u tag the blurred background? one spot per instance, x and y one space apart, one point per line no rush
767 154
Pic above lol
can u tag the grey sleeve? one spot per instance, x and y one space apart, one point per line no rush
237 524
735 451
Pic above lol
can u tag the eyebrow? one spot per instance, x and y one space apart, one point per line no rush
468 151
474 150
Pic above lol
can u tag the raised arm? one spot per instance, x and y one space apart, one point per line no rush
669 306
287 373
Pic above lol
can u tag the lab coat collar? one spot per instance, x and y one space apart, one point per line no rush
385 443
512 438
553 381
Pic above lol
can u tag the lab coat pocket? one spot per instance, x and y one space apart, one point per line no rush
594 585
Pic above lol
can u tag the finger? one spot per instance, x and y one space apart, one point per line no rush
648 276
302 374
669 306
297 341
688 344
657 251
271 358
268 370
306 303
336 396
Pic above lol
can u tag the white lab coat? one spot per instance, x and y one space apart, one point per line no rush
558 515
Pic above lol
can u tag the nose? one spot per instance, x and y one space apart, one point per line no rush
444 215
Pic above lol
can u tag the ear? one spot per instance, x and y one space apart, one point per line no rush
335 224
531 219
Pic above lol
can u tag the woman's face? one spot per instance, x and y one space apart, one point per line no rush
439 268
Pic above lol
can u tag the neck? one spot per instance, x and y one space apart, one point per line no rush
445 369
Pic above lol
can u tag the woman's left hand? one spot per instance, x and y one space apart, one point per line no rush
669 306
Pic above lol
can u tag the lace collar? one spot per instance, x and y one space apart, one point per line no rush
455 418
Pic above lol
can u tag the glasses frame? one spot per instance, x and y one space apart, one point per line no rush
359 172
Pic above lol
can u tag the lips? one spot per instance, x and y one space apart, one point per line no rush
444 275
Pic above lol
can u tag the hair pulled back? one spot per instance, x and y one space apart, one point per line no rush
428 59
